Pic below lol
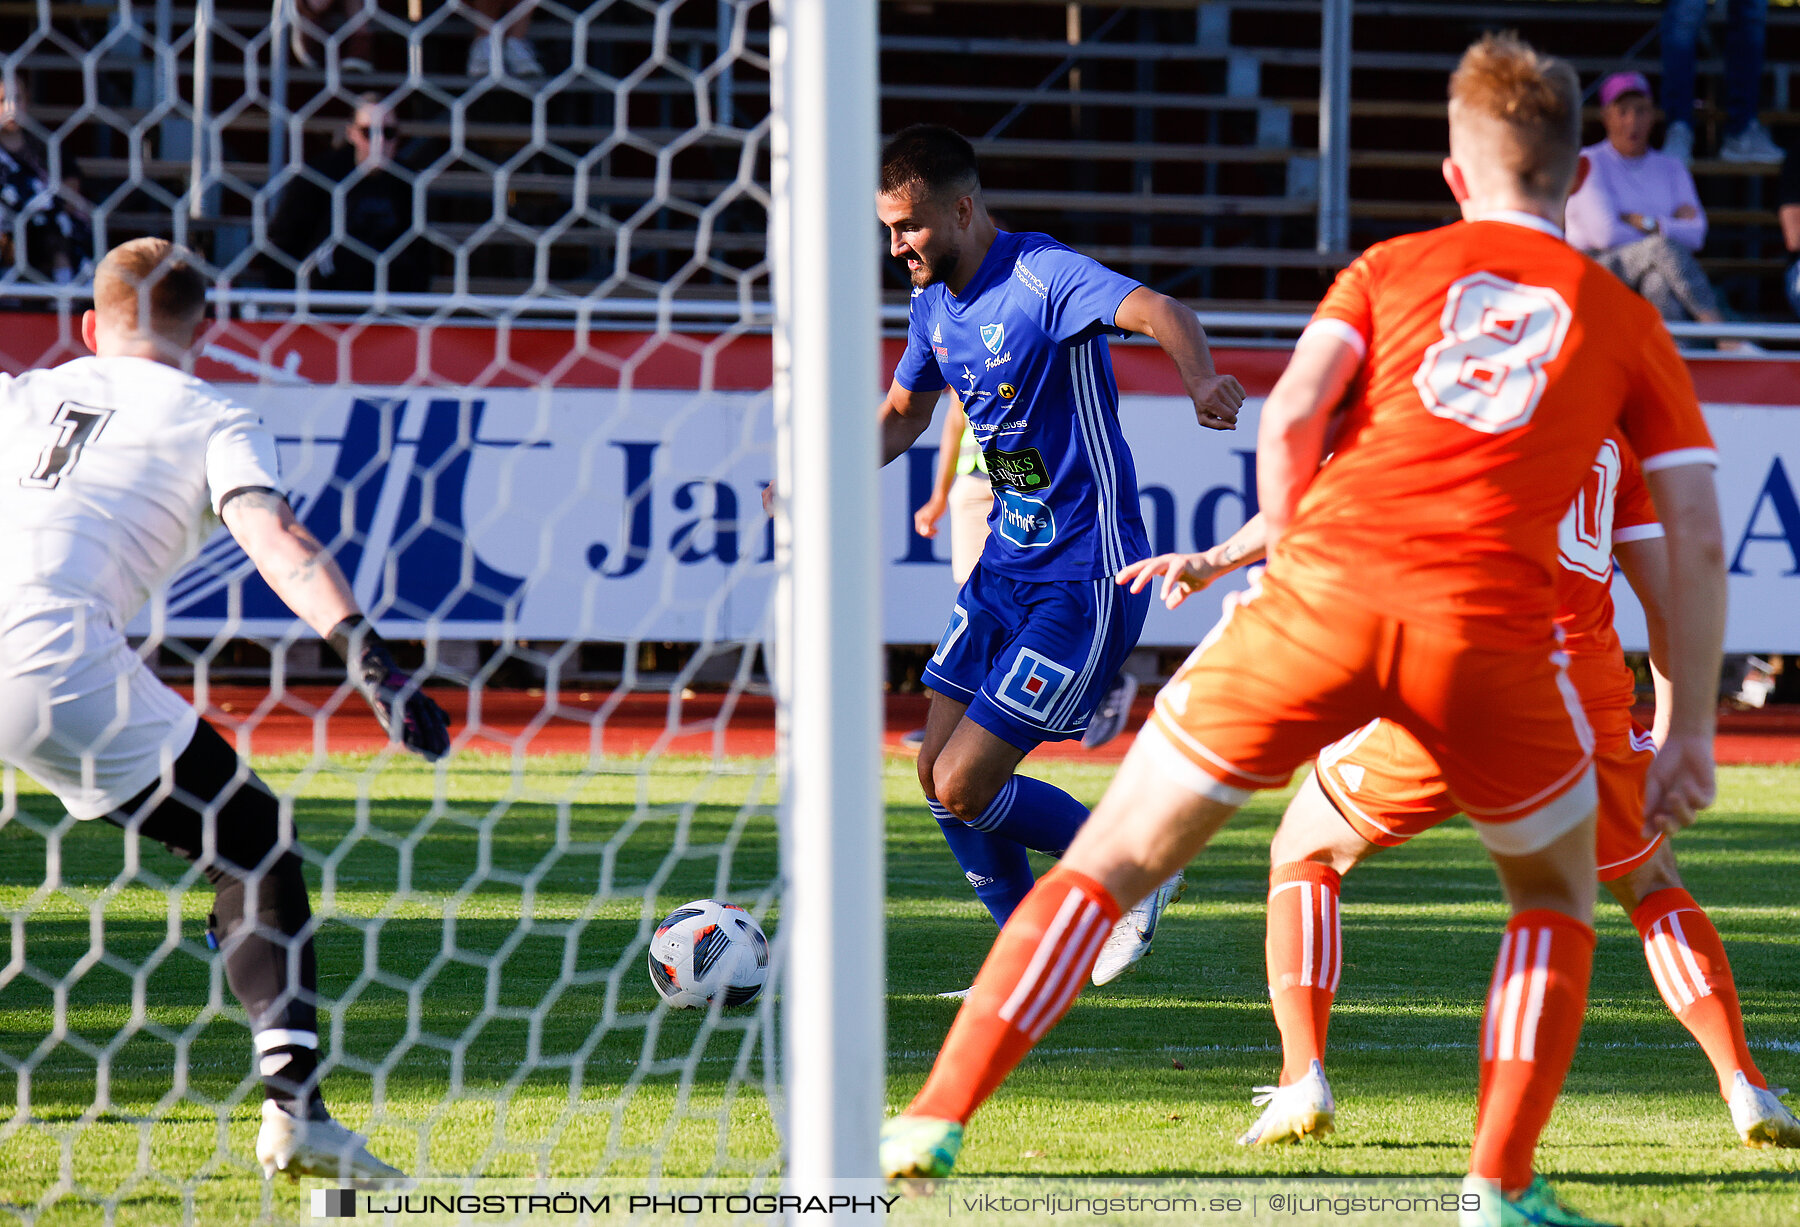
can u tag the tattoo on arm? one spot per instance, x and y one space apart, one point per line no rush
316 555
305 571
1234 553
255 513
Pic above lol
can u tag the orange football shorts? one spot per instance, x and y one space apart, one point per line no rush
1286 672
1384 784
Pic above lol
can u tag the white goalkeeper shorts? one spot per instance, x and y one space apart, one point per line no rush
79 712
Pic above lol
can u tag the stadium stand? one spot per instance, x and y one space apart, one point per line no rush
1174 139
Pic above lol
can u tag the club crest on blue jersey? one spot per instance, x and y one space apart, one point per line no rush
1025 521
993 336
1034 684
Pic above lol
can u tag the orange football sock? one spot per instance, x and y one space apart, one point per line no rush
1305 955
1688 962
1039 963
1528 1036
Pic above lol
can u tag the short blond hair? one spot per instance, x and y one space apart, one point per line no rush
1532 101
152 273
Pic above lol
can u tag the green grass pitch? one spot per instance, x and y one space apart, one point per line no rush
535 1048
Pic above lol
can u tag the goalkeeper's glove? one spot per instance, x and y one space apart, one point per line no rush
396 698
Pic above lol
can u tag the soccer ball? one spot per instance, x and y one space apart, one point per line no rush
705 950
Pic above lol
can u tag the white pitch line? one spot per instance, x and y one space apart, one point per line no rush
920 1054
1367 1046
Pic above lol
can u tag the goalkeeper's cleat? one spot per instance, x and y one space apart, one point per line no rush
1537 1206
1130 938
921 1147
958 994
1299 1110
1762 1120
315 1145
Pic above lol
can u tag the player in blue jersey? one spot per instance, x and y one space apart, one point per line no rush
1017 324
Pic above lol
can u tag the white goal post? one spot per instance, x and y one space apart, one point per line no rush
829 608
546 480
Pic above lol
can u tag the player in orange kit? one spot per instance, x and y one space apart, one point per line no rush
1378 788
1478 368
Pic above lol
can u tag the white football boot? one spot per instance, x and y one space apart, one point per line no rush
520 58
1753 144
1130 939
315 1146
1762 1120
1299 1110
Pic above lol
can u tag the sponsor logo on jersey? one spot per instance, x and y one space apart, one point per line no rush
1030 280
970 393
1022 470
993 336
1007 391
937 334
1025 521
1034 684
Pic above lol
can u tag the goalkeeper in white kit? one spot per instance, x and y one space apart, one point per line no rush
113 471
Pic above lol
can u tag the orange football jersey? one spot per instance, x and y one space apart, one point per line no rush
1496 358
1613 505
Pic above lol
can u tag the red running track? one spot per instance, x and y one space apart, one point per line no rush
638 723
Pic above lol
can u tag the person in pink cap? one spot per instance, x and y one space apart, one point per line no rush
1637 212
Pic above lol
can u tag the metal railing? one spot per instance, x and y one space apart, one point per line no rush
753 316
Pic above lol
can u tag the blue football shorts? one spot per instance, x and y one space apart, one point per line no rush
1033 660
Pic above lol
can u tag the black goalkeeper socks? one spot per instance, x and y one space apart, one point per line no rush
289 1076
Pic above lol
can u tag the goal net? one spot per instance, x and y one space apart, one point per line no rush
502 281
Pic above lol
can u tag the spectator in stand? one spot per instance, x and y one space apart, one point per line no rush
1746 140
356 42
1789 206
501 23
1637 212
378 212
50 220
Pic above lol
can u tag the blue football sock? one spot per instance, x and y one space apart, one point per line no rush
1041 816
996 867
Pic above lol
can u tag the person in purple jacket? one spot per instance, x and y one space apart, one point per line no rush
1637 213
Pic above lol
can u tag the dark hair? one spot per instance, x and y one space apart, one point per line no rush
929 158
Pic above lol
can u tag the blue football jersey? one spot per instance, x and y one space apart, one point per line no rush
1024 347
